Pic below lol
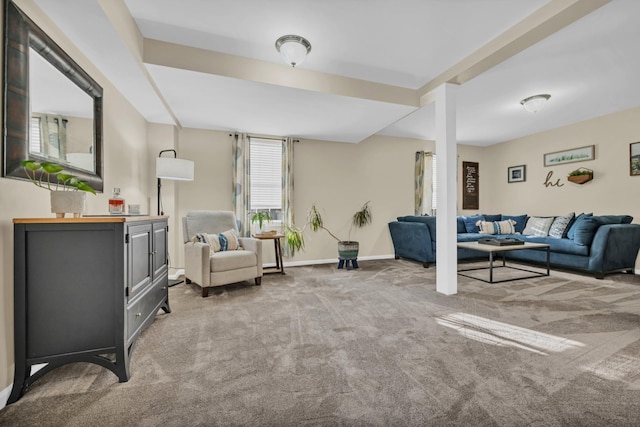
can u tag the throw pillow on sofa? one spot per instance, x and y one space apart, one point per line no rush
560 225
586 230
576 223
538 226
471 221
497 227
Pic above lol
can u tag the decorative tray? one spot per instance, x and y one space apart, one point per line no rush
501 242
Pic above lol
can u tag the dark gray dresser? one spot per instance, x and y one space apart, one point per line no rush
84 290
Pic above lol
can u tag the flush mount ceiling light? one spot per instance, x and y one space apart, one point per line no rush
534 103
293 49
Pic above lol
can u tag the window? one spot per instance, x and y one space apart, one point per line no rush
266 177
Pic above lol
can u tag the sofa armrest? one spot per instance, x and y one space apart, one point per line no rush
614 247
196 263
412 240
253 245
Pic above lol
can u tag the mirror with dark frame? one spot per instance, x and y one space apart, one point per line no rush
52 107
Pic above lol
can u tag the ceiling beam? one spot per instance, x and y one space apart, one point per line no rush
124 24
216 63
550 18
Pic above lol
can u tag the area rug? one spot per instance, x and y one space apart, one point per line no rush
374 346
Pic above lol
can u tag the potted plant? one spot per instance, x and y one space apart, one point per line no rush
261 217
68 193
347 249
580 175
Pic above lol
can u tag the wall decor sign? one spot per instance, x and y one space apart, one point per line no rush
470 186
517 173
580 154
634 159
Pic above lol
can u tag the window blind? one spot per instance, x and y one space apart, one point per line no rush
266 174
34 140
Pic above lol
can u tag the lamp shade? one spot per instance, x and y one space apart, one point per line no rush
176 169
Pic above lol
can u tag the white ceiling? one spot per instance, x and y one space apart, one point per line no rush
590 67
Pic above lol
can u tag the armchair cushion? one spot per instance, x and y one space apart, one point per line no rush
232 260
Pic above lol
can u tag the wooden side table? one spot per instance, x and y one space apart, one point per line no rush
279 268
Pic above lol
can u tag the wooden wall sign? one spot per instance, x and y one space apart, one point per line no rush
470 186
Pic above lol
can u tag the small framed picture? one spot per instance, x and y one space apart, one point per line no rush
634 159
517 173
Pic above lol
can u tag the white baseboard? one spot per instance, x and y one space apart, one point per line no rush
176 274
334 260
4 394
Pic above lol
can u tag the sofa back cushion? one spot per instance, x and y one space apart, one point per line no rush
492 218
538 226
614 219
521 221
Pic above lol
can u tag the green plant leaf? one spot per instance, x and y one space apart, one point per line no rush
30 164
49 167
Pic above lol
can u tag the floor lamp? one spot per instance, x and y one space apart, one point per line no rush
174 169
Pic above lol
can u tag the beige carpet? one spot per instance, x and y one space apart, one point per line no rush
370 347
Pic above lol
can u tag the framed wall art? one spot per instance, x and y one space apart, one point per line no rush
634 159
470 185
517 173
579 154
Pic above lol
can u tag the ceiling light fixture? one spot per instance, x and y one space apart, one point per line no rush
534 103
293 49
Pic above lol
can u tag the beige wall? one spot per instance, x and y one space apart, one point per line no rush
612 190
338 177
125 160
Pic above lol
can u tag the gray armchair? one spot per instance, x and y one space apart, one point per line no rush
206 268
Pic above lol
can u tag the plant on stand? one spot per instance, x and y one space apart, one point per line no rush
67 192
261 217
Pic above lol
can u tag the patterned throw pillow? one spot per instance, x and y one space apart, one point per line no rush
227 241
560 225
497 227
538 226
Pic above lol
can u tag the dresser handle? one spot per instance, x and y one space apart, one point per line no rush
138 314
154 252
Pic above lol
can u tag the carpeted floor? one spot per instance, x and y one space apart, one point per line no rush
370 347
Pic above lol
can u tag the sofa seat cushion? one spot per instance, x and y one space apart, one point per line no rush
565 246
470 237
232 260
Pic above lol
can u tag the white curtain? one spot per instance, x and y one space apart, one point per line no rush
424 183
287 187
241 192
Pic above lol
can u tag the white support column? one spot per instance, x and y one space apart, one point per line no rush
446 152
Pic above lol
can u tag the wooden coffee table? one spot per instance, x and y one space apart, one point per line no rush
503 250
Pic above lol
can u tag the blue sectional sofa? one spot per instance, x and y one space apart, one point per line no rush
593 244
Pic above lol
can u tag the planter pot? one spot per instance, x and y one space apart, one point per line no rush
68 202
580 179
348 250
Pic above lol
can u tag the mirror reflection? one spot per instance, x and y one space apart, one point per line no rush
62 127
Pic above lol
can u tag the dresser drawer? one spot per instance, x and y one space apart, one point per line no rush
145 307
